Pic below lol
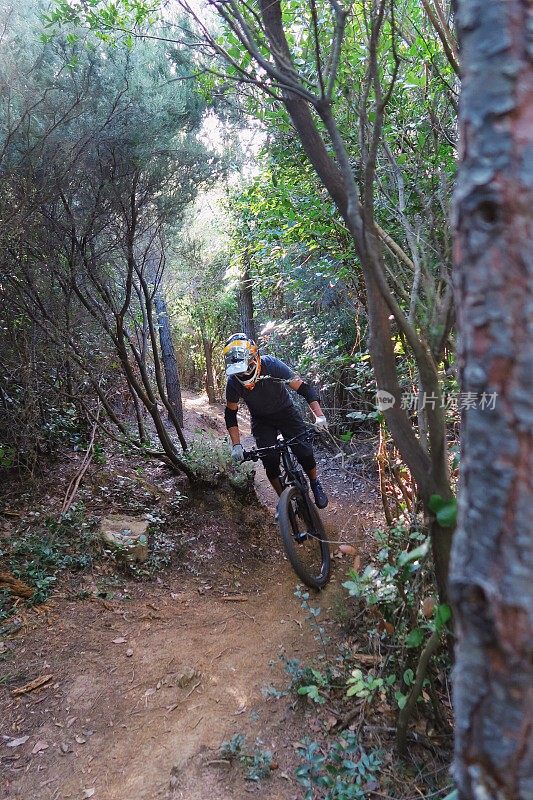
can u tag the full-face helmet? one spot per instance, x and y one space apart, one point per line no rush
242 359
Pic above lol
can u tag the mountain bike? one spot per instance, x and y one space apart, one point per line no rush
299 523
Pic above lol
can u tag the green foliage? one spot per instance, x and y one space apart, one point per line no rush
394 572
305 681
314 690
366 686
312 614
233 747
445 510
211 462
8 456
395 584
340 771
301 266
45 547
256 761
100 154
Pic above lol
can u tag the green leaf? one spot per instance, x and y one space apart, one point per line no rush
435 502
443 614
415 638
401 699
444 510
354 589
353 690
413 555
447 515
409 677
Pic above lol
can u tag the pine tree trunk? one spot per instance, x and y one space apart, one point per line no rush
246 302
491 581
209 375
168 354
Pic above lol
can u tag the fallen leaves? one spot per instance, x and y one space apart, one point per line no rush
348 549
119 640
29 687
39 747
18 742
428 606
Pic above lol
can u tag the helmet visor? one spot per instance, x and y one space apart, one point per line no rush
237 360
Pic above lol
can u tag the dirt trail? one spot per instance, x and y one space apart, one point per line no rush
146 688
194 678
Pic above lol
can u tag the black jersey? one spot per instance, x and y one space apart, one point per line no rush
269 396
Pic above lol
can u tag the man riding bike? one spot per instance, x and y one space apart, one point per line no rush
262 383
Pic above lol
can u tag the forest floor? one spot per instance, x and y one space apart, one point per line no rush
144 677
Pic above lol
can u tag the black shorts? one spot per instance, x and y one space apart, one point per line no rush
289 422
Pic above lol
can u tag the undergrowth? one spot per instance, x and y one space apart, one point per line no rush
340 770
211 461
390 615
45 546
256 760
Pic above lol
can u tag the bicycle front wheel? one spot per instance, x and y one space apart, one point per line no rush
304 538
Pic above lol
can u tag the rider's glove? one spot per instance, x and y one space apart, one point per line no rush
237 453
321 424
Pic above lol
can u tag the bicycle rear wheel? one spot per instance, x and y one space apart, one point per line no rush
304 538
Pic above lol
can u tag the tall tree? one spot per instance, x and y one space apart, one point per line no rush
246 298
492 565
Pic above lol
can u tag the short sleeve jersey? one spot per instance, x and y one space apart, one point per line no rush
269 396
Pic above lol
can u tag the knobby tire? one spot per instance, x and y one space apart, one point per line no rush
288 527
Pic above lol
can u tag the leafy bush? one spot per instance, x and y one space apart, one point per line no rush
39 551
395 586
342 771
211 461
256 761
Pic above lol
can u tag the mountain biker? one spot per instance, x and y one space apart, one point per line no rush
262 383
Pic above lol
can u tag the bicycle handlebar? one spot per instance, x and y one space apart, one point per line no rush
257 453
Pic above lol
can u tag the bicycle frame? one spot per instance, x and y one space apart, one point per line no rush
291 474
282 446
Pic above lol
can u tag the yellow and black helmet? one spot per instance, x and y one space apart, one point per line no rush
242 359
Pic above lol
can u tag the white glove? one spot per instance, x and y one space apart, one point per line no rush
321 424
237 453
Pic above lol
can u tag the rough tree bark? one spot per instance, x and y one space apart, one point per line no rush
491 581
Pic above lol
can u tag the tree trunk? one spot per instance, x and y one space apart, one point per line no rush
246 302
209 375
492 561
168 354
